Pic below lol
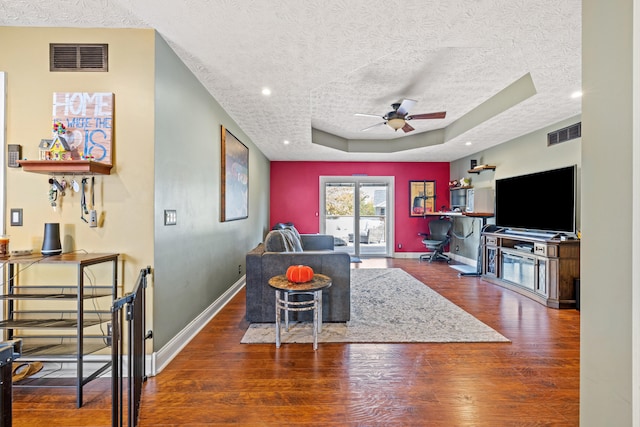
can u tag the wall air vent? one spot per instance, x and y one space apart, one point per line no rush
78 57
564 134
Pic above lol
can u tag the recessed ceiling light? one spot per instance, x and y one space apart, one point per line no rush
576 94
286 142
266 91
468 143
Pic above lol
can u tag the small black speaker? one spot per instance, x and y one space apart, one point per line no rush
51 243
474 163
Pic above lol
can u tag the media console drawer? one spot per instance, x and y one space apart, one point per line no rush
491 240
545 250
540 249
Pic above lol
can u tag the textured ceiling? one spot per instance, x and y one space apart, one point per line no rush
325 61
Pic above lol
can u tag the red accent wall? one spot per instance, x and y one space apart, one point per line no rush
295 193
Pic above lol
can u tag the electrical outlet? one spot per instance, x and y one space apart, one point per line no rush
239 268
457 248
399 245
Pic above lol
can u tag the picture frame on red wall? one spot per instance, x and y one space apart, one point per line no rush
422 198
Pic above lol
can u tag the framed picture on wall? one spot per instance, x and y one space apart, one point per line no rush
422 197
234 179
83 121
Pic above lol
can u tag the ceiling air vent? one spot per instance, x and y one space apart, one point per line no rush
78 57
565 134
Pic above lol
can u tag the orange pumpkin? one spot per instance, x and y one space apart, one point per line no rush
299 273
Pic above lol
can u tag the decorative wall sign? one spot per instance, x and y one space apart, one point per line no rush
88 118
235 178
422 197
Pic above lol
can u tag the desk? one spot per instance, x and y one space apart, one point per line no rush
444 213
483 216
284 288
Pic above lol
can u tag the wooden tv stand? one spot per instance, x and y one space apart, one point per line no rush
540 267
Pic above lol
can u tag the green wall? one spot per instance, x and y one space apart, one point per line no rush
607 263
526 154
198 259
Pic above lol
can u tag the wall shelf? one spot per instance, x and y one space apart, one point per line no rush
65 166
481 168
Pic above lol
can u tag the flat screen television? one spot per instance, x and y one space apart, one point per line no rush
542 201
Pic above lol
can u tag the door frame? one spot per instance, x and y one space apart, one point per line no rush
3 165
3 144
389 211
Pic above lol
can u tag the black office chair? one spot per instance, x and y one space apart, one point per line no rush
438 237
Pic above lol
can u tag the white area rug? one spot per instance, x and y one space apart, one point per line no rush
388 305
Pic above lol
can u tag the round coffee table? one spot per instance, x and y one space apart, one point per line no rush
284 288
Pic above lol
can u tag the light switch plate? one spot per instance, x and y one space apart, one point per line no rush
170 217
16 217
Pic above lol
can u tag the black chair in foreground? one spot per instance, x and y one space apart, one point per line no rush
438 237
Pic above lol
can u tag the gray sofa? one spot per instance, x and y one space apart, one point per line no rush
276 254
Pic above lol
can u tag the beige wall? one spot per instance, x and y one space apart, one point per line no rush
124 198
166 156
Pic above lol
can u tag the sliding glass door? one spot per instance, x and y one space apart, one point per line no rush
358 212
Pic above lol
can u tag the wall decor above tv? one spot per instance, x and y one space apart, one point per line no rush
538 202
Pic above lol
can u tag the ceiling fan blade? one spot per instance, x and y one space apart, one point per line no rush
373 126
407 128
368 115
439 115
407 104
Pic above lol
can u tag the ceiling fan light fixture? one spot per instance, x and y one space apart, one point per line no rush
399 117
396 123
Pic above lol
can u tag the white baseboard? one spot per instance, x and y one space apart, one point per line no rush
154 363
454 257
407 255
68 369
157 361
161 358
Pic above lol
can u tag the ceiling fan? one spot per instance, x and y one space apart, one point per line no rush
398 118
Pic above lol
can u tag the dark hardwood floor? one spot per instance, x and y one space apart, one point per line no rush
532 381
